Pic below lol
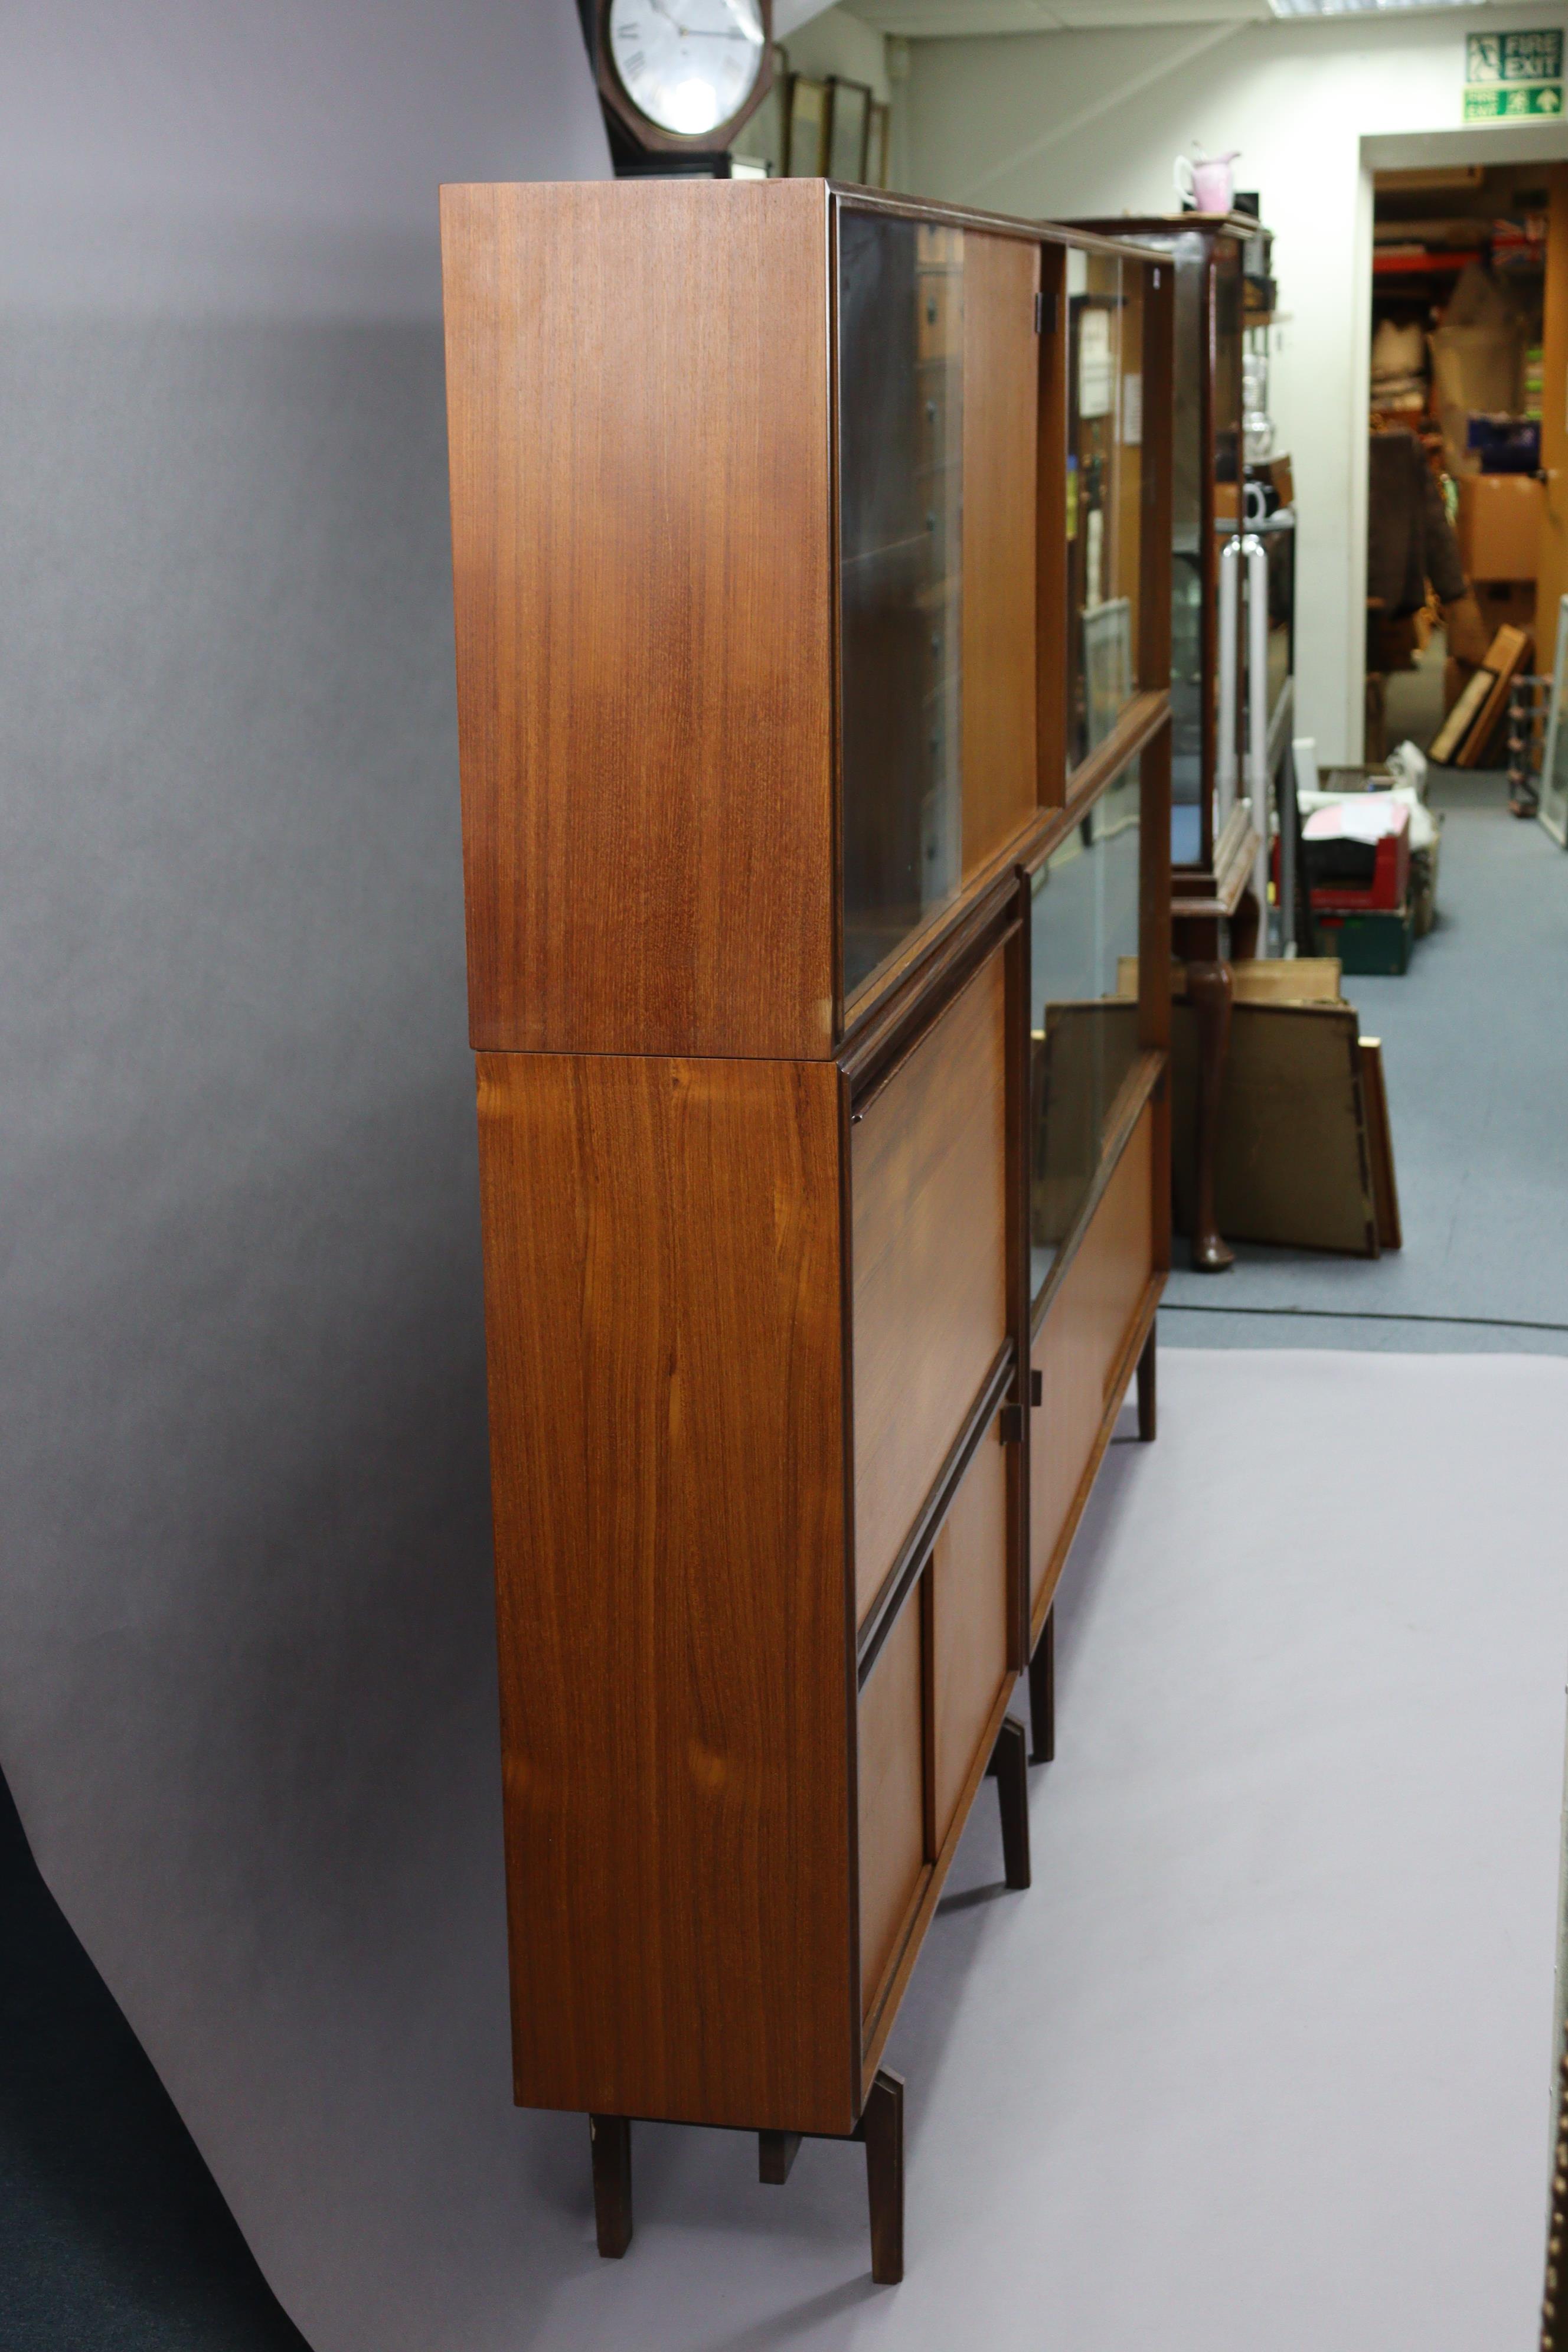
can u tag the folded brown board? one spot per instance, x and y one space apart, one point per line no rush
1293 1164
1271 980
1461 717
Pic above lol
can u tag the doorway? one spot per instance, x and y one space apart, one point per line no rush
1467 274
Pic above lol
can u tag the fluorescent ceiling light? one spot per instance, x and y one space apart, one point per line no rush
1362 7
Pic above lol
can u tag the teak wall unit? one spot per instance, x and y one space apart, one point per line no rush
824 1174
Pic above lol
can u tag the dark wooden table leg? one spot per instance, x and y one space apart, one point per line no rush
1147 1409
882 2128
776 2151
1043 1692
612 2140
1009 1766
1209 985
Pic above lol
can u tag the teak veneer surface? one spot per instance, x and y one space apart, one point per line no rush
1081 1340
892 1779
928 1180
969 1626
1001 431
662 1308
642 562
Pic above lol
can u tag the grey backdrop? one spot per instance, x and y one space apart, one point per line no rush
247 1688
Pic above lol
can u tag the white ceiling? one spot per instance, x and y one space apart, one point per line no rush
926 19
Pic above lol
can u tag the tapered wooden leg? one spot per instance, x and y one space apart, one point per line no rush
776 2151
882 2128
1147 1409
1209 985
612 2140
1009 1766
1043 1692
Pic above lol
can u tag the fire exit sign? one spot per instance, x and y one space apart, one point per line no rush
1509 74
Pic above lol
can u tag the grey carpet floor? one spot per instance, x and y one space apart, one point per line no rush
1475 1039
1262 2058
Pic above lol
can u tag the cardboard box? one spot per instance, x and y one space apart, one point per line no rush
1467 633
1478 365
1373 943
1499 525
1506 604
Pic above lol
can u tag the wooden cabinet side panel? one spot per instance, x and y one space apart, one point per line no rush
1080 1341
929 1180
637 416
1001 437
663 1320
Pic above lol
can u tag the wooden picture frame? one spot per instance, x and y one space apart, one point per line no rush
879 144
1450 737
1554 807
848 126
806 129
1506 656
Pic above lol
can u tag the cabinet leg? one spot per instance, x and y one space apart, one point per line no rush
1210 986
1043 1692
882 2128
1009 1766
776 2151
1147 1409
612 2141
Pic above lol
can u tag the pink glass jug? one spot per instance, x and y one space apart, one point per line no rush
1206 181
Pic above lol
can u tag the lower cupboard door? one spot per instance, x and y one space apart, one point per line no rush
891 1775
969 1623
1080 1348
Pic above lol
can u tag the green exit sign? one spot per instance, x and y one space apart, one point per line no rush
1512 74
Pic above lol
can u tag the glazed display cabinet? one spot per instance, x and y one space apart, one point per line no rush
1231 625
815 758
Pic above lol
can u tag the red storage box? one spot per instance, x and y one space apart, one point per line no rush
1369 839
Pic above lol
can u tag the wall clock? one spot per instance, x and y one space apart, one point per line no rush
682 75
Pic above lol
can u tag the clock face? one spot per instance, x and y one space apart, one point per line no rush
688 65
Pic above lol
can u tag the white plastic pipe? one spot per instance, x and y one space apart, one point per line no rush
1257 555
1224 757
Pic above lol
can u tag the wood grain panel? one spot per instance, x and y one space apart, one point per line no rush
1001 430
892 1798
663 1318
1081 1343
637 387
928 1172
969 1623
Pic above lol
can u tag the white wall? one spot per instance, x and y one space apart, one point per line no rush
246 1612
1064 124
837 43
